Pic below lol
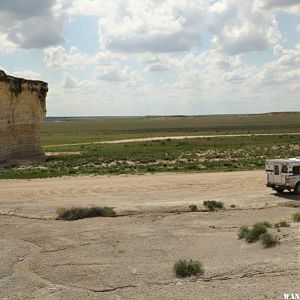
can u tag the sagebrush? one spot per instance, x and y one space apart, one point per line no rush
185 268
76 213
212 205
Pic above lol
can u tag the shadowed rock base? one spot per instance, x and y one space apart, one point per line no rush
22 109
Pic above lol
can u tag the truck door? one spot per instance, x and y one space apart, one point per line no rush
277 173
284 173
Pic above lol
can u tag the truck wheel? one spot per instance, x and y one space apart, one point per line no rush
279 191
297 189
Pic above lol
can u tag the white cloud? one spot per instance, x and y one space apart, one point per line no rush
6 45
239 26
285 70
108 58
155 26
153 60
34 25
156 67
298 28
88 7
169 26
290 6
176 62
27 74
210 82
58 57
70 83
113 73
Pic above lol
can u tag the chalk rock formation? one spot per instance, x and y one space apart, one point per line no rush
22 109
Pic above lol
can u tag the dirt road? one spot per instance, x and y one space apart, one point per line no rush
163 138
131 256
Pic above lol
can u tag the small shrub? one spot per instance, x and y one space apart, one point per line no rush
254 233
109 212
243 232
267 224
193 207
233 206
76 213
268 240
211 205
296 217
282 224
184 268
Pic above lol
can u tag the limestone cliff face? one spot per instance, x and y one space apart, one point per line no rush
22 109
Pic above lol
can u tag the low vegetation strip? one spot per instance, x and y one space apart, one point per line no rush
163 138
188 155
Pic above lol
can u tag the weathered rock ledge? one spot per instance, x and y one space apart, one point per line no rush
22 109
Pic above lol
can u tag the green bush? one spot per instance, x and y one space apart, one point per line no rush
193 207
267 224
268 240
282 224
243 232
76 213
184 268
254 233
232 206
296 217
109 211
211 205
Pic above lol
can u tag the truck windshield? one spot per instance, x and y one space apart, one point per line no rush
284 169
296 170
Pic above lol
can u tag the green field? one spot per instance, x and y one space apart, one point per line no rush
77 130
187 155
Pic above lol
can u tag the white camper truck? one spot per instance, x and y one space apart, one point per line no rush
283 174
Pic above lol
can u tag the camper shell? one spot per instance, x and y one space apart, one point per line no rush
283 174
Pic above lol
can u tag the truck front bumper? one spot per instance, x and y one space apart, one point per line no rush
276 186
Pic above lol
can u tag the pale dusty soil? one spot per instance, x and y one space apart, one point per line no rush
131 256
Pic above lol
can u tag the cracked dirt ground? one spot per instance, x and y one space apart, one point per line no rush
131 256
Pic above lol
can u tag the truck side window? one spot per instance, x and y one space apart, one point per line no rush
296 170
276 170
284 169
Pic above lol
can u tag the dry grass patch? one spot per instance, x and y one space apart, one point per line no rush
282 224
76 213
296 217
193 208
212 205
184 268
259 231
254 233
268 240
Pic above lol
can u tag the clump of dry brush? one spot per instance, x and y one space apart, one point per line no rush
76 213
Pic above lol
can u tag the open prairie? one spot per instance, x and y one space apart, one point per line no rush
131 256
164 166
149 150
93 129
137 145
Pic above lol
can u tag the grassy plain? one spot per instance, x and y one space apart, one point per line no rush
79 130
186 155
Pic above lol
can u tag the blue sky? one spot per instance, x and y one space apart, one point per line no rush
131 57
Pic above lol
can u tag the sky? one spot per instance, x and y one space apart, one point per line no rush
156 57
